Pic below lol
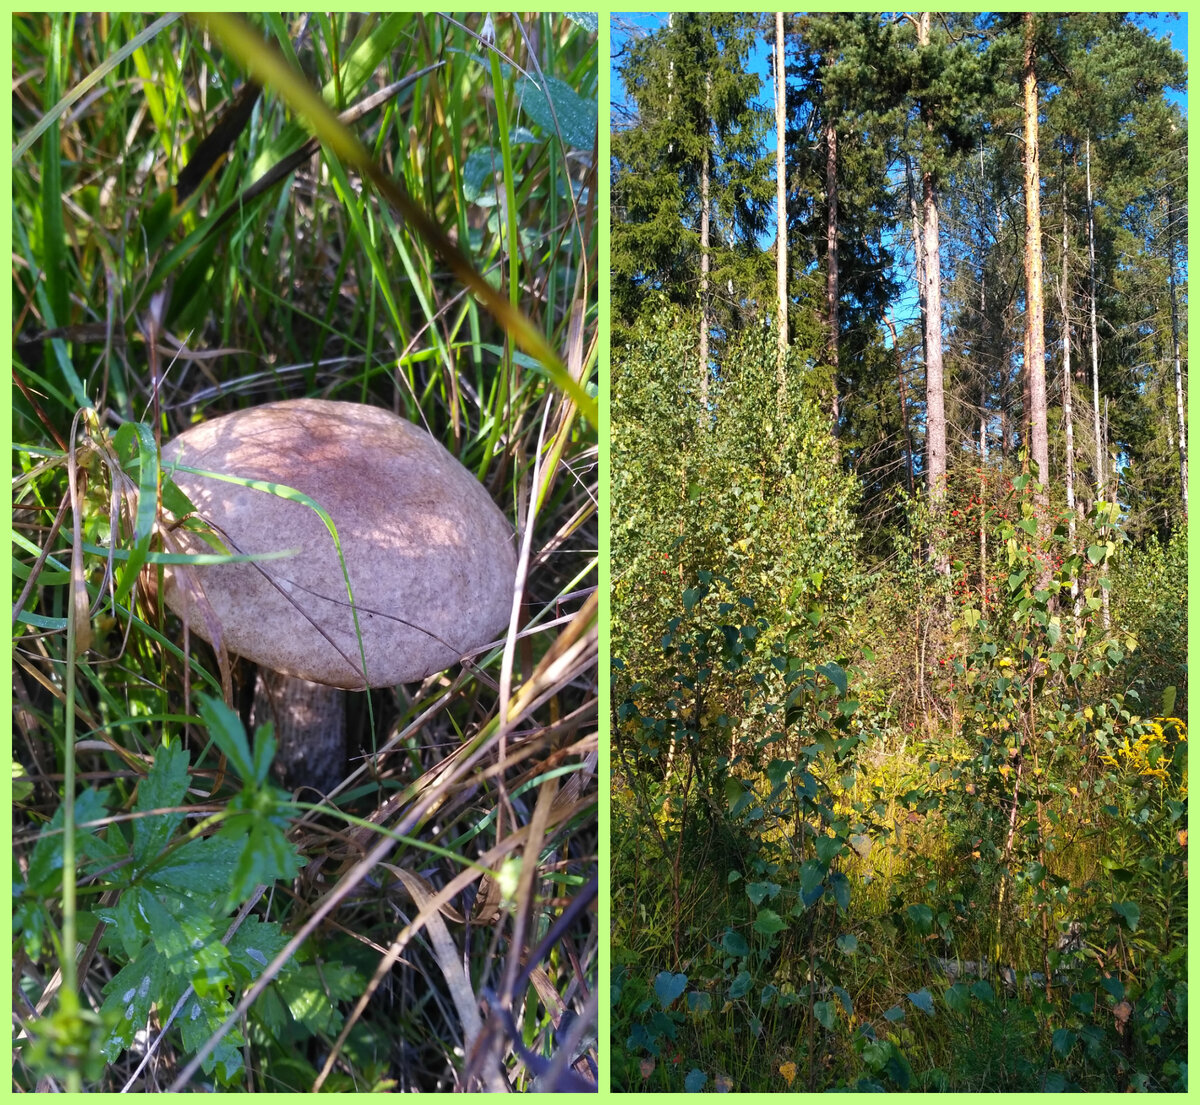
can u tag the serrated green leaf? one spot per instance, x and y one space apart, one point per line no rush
229 735
198 1020
131 992
46 859
589 21
268 855
201 866
255 944
165 786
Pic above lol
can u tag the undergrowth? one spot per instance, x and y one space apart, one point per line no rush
812 891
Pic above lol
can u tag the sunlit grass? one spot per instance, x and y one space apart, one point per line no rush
156 314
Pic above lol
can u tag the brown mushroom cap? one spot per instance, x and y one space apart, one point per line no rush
431 558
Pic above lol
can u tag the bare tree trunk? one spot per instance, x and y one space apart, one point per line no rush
781 204
1101 472
908 446
1183 474
1064 300
831 255
935 394
1035 365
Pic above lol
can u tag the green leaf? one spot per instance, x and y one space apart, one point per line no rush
695 1081
201 1017
757 891
828 848
835 674
733 943
131 992
164 786
740 986
589 21
255 944
267 855
668 987
957 998
839 887
894 1014
229 735
848 943
922 917
768 922
923 1000
1130 911
46 860
699 1003
690 597
824 1012
984 992
576 115
1063 1040
1096 553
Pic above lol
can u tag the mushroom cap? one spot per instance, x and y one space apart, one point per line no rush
431 558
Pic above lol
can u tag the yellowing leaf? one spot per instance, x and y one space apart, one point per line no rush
788 1070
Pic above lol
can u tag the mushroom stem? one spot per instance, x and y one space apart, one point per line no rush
310 729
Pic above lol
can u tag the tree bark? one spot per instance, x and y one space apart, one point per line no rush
1064 300
831 253
1101 475
935 392
781 204
1035 313
1171 239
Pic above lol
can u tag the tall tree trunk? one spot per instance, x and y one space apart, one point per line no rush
935 393
918 251
1064 300
831 254
1171 239
1101 476
781 204
704 264
908 447
1035 363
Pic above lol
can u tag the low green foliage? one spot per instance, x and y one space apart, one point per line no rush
853 852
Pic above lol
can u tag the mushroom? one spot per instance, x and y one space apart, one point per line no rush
429 559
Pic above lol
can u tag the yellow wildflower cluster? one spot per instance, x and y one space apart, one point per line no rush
1149 754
